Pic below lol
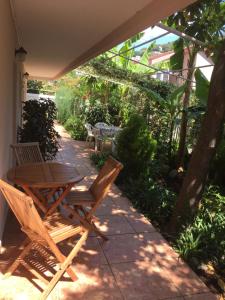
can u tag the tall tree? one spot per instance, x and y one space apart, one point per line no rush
186 99
205 149
203 20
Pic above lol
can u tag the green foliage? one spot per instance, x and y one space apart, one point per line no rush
97 113
64 103
152 198
174 105
141 68
203 239
38 126
135 146
113 109
112 72
202 88
149 196
203 19
195 117
76 128
176 61
99 159
65 98
34 86
126 111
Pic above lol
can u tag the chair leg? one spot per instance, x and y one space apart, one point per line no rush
90 220
87 223
96 144
102 145
90 140
27 244
98 232
64 265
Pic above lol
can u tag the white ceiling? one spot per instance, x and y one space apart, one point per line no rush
61 34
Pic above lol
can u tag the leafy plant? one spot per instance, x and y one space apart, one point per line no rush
151 197
38 126
112 72
34 86
76 128
97 113
203 238
176 60
99 159
202 88
135 146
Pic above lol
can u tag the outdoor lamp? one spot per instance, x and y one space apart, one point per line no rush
20 54
26 75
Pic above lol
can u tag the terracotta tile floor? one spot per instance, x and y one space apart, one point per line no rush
136 262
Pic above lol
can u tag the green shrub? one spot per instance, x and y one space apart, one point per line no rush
203 239
99 159
113 109
97 113
76 128
34 86
64 102
126 111
38 126
152 198
135 146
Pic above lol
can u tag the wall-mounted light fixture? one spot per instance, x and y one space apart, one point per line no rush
26 75
20 54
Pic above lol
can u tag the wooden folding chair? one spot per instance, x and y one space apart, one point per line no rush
81 200
27 153
43 236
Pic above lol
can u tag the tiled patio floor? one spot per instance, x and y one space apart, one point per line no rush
136 262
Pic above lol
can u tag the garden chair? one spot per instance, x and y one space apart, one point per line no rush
42 237
27 153
90 134
77 202
101 138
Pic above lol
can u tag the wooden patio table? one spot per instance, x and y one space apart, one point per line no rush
48 176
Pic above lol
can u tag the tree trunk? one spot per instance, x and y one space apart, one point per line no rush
209 137
171 139
184 119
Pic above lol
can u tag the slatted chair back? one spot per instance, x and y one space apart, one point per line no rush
79 200
25 212
27 153
105 179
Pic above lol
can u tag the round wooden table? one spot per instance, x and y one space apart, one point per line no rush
35 177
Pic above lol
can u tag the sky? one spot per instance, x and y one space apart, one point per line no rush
153 32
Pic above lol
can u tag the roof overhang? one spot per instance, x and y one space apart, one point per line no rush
61 35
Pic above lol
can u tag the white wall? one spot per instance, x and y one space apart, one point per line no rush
7 96
203 60
31 96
